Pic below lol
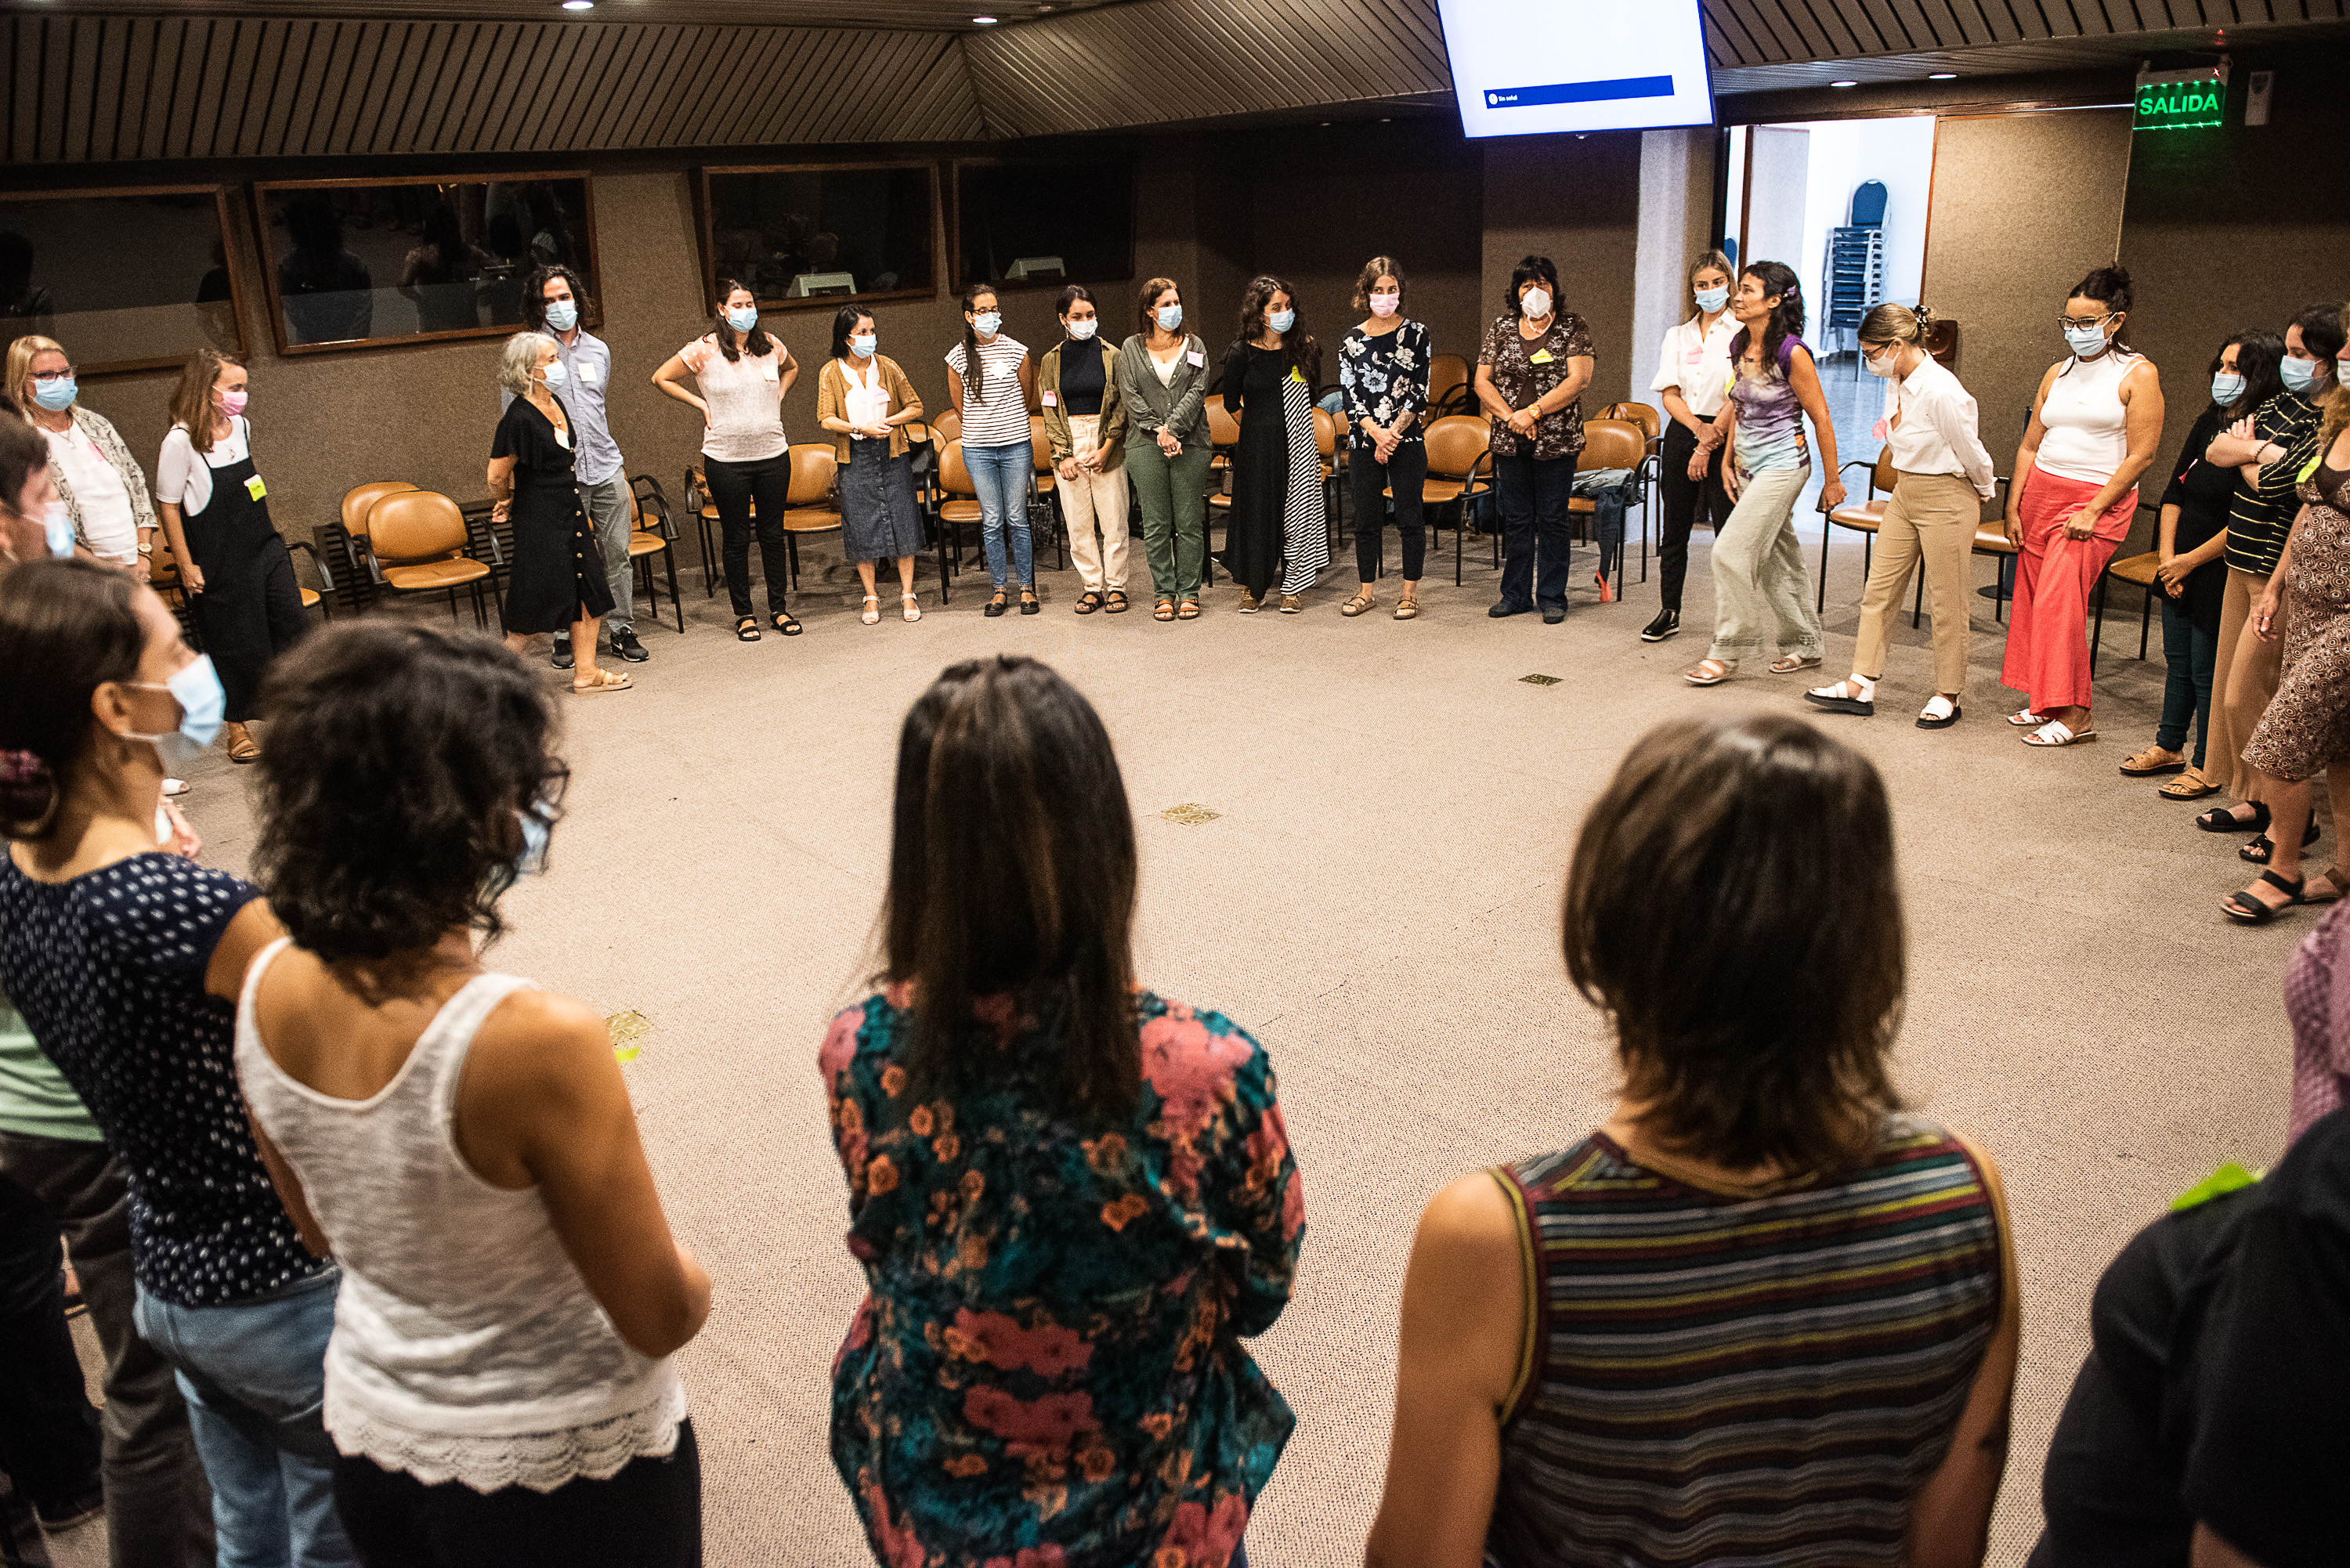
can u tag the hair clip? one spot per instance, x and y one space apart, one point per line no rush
21 767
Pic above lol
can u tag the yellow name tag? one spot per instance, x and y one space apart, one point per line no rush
255 488
1540 357
1295 374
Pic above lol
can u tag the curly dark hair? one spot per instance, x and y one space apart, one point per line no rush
401 760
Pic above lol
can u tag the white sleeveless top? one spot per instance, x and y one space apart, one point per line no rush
2087 429
467 1345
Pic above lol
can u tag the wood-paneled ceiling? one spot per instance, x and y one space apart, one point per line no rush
107 80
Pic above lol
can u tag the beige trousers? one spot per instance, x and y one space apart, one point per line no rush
1929 524
1092 499
2242 681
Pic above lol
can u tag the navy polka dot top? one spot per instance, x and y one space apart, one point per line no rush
108 970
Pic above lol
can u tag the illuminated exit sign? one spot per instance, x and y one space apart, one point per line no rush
2181 101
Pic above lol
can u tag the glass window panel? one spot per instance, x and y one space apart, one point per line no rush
792 234
1044 223
121 278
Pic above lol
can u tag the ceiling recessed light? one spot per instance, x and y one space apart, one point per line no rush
579 5
1943 77
1844 84
984 21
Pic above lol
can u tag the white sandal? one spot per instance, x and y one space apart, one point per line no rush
872 609
2056 733
1701 676
2025 719
914 607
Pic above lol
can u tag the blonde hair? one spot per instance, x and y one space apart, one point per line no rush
21 354
1897 324
1713 259
1375 269
520 359
191 399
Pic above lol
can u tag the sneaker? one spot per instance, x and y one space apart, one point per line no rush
1250 603
174 788
625 644
1291 604
1666 624
1506 609
562 659
1553 614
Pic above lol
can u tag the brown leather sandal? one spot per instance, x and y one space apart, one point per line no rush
1187 610
1163 609
1117 603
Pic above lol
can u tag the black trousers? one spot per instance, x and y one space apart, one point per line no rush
732 488
48 1428
1687 501
1405 471
649 1515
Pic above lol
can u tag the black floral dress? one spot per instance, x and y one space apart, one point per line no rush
559 574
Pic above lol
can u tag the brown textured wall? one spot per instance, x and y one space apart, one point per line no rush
2024 204
1578 201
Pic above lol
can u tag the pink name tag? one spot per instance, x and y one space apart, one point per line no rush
1695 356
1051 399
1196 360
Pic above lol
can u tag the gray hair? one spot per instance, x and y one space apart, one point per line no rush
520 359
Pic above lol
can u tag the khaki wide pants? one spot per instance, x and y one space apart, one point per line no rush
1929 524
2241 685
1094 499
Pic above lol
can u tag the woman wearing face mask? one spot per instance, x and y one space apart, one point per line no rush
1383 381
1162 379
235 570
745 458
2192 580
559 583
126 964
32 527
987 378
2268 450
1530 373
1276 515
1758 582
1692 368
865 402
2094 423
501 1385
100 485
1943 477
1085 421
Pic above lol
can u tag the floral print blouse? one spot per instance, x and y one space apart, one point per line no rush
1525 368
1046 1371
1384 378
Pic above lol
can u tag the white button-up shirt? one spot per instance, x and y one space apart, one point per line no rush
1935 432
1697 362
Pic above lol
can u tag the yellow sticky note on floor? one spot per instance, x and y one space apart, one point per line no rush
628 1031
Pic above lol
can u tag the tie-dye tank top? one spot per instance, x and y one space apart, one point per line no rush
1770 420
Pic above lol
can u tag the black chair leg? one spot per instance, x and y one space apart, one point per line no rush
1918 606
2097 633
2145 619
1821 606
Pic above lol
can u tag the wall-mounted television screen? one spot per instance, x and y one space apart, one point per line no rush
1522 68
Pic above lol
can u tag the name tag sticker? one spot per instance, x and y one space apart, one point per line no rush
590 373
255 488
1540 357
1051 399
769 370
1695 356
1296 375
1196 358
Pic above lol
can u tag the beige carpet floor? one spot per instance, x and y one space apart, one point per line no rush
1375 896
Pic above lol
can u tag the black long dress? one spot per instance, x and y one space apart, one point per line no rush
1252 534
559 574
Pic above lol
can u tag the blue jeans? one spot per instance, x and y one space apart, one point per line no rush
2191 652
1002 475
254 1375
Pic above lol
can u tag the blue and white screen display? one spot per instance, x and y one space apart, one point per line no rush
1521 67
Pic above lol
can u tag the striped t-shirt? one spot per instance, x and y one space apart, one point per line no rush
998 414
1763 1377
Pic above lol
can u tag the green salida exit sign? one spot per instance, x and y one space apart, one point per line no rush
2181 101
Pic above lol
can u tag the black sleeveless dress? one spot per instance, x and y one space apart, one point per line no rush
558 573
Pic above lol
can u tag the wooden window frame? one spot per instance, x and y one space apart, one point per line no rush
702 226
221 214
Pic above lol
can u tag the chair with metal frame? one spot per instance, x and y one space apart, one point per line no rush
1328 430
1864 517
810 505
416 544
2140 570
1448 388
654 533
1614 443
1045 487
929 499
1459 469
357 502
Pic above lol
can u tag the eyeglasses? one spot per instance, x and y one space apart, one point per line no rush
65 375
2082 323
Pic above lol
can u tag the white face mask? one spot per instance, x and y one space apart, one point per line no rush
1081 330
1535 303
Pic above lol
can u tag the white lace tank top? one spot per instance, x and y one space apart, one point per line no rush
2087 434
467 1345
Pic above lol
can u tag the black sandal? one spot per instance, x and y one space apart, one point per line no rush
1088 602
1119 603
2224 819
996 606
747 629
783 622
2247 910
1029 603
2259 851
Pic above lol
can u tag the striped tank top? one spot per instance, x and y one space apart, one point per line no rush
1763 1377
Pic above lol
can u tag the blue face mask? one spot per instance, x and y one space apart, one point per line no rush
2086 342
863 344
202 705
554 376
1170 316
57 525
1282 320
989 322
1712 299
537 827
56 396
563 316
2226 386
745 320
2296 374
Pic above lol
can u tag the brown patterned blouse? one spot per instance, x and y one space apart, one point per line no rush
1525 369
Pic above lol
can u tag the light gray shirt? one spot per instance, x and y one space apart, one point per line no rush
589 364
